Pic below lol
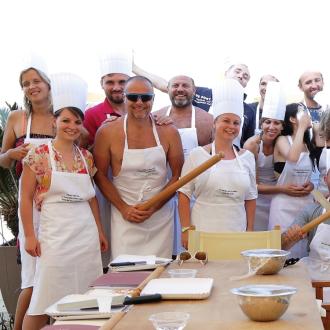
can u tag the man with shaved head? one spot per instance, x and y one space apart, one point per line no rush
258 106
194 124
195 127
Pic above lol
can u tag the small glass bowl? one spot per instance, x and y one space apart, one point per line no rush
182 272
169 320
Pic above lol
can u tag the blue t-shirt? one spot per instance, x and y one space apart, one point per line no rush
203 98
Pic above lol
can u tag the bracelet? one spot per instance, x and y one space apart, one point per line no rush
184 229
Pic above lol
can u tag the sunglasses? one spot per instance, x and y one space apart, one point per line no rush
199 256
143 97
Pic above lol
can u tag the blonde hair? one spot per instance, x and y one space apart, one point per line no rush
26 102
325 124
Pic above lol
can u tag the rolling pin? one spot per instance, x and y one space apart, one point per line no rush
315 222
170 190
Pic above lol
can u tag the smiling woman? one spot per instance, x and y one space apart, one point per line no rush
225 195
58 176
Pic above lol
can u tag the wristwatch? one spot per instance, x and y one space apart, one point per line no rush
184 229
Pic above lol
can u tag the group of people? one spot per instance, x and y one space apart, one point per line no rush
132 153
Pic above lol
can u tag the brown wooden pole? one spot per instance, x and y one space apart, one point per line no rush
315 222
170 190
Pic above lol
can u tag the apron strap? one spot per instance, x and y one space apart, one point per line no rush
154 130
51 156
28 127
82 157
235 153
193 117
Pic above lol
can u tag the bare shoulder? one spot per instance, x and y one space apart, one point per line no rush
110 129
160 112
167 129
16 115
200 113
252 144
282 140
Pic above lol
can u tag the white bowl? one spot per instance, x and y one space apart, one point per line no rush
169 320
265 261
264 302
182 272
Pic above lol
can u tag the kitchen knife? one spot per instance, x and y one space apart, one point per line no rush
119 301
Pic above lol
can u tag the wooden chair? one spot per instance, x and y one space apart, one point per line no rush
228 245
319 285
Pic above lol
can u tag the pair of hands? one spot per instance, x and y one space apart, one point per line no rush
292 236
131 213
298 191
32 245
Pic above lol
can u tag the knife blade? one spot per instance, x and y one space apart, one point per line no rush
119 301
321 199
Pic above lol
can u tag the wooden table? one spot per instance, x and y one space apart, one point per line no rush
221 309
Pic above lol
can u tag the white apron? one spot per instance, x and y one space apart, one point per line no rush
318 262
70 250
189 141
220 197
257 130
266 176
28 262
143 174
323 171
284 208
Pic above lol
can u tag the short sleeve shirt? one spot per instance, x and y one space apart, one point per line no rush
38 159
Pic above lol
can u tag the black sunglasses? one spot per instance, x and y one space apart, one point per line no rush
143 97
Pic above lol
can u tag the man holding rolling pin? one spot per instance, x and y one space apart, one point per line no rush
138 152
318 261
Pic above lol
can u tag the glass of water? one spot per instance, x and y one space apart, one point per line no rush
169 320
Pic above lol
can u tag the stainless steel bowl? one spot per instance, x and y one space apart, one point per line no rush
265 261
264 302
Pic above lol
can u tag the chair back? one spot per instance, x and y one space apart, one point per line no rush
228 245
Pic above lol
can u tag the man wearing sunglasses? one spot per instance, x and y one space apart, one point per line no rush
137 151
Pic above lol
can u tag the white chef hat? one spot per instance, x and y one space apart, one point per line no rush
35 61
68 90
274 104
228 98
117 61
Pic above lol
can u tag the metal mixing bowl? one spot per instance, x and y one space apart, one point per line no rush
265 261
264 302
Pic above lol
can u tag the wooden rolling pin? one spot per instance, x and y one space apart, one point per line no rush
155 274
315 222
111 323
170 190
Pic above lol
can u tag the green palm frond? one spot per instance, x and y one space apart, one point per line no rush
8 183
